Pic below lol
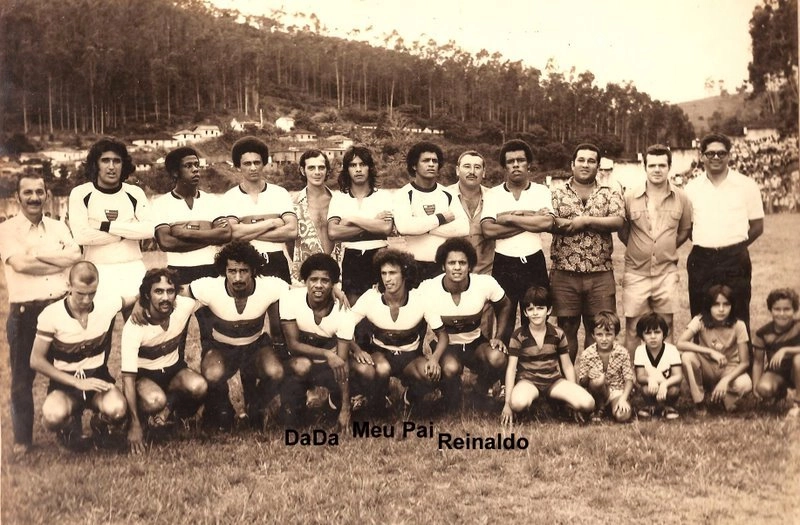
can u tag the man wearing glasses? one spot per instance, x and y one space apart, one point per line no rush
728 217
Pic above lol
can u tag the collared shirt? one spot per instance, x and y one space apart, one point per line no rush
483 247
534 198
652 239
272 201
618 371
19 236
722 212
585 251
345 205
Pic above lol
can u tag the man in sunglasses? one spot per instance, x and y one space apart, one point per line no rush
728 217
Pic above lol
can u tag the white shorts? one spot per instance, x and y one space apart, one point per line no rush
643 293
120 279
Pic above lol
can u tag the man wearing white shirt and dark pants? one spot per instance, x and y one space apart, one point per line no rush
728 217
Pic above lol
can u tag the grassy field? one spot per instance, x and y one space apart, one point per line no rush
742 468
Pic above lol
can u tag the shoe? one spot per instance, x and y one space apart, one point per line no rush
20 449
501 395
432 396
358 402
315 398
670 414
794 412
700 411
645 413
73 440
597 416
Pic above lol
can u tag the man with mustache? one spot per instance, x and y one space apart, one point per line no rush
582 278
424 210
37 253
515 214
155 375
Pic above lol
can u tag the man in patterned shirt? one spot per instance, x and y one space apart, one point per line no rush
582 277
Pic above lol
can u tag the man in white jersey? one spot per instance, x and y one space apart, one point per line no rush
155 376
460 297
72 345
37 253
515 214
108 217
260 212
191 225
360 216
424 210
395 311
240 301
318 334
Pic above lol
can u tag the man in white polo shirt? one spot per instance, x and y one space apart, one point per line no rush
515 213
728 217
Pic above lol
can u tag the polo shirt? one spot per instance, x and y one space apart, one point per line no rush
499 200
272 202
344 205
171 208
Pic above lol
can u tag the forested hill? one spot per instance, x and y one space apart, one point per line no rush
94 66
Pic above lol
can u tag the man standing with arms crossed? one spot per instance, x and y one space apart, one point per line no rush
658 220
728 216
259 212
423 209
515 213
109 217
37 253
582 279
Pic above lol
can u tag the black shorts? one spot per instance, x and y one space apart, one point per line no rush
163 376
188 274
465 353
82 397
236 357
358 275
398 361
543 385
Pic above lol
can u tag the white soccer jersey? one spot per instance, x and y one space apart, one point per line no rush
170 208
73 347
662 364
229 326
462 321
151 347
415 212
336 325
400 335
345 205
500 200
272 202
110 224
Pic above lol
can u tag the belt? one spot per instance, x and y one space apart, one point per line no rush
731 248
20 307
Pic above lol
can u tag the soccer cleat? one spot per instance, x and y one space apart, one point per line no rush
794 412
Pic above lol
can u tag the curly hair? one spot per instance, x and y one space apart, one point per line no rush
103 145
783 293
456 244
320 262
242 252
403 260
249 144
515 145
172 162
416 151
152 276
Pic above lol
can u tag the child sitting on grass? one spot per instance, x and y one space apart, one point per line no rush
658 368
719 358
536 349
780 341
604 369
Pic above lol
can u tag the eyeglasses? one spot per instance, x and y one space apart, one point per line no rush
715 154
190 165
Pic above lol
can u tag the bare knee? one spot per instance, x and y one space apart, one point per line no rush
112 405
195 386
56 411
213 368
598 384
690 359
273 370
451 368
152 400
300 367
383 370
496 359
767 388
364 371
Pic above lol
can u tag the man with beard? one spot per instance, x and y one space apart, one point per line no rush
155 375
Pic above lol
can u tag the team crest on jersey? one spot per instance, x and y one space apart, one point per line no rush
429 208
112 214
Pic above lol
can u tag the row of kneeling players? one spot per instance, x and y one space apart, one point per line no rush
284 342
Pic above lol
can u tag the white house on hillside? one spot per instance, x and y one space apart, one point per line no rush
285 124
161 140
208 131
185 136
340 141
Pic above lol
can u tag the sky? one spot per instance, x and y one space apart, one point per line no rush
667 48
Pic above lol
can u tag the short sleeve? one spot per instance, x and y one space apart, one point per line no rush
287 310
129 347
741 332
495 291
